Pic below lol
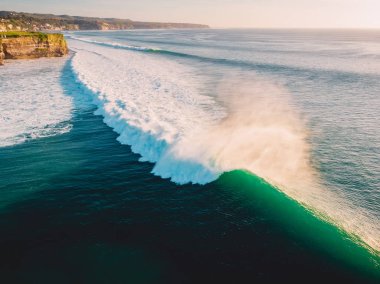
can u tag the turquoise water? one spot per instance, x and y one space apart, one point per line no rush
184 156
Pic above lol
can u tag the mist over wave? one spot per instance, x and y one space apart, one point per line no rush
156 107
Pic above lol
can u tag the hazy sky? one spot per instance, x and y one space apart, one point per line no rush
219 13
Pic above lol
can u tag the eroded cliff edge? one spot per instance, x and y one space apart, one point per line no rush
19 45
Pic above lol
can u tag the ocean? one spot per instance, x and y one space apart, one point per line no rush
193 156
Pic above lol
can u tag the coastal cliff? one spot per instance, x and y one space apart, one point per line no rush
19 45
2 55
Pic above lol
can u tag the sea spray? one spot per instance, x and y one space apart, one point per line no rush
260 133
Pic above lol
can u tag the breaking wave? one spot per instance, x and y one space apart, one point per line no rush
158 108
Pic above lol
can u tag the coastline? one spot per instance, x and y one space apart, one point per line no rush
11 20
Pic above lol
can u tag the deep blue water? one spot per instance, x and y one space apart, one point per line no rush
77 206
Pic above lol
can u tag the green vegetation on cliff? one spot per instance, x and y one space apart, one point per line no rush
15 34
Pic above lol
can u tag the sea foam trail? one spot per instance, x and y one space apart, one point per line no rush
156 107
113 44
32 101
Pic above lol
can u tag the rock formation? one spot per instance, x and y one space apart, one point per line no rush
31 45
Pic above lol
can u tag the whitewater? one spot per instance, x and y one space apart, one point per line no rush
247 121
32 102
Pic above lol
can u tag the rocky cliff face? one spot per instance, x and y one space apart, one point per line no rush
34 46
2 55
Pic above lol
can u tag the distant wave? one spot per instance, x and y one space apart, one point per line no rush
237 63
155 106
268 66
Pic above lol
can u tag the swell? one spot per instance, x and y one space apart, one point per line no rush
156 108
223 61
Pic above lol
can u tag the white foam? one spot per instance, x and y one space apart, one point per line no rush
156 107
141 99
32 101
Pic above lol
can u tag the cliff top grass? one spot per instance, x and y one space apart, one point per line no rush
41 36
